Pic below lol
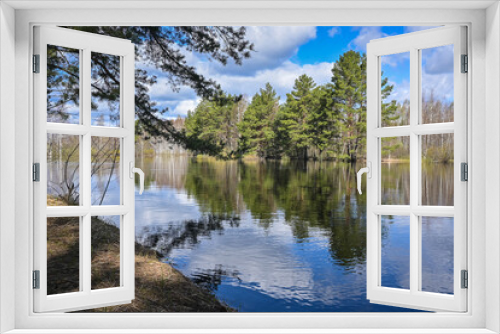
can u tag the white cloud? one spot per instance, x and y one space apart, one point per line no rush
438 60
366 34
440 85
270 63
273 45
182 108
333 31
162 92
400 92
395 59
437 74
281 78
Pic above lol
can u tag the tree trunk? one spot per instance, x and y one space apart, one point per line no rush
353 157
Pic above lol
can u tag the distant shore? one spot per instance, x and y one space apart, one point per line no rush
255 158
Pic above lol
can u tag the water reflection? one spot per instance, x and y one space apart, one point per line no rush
277 236
183 234
265 237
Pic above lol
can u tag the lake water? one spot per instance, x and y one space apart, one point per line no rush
285 237
280 236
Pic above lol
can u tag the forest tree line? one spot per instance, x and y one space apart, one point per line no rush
315 122
332 127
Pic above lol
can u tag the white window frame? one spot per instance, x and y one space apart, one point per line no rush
87 43
483 103
413 43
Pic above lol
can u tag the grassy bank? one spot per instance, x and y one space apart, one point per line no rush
159 287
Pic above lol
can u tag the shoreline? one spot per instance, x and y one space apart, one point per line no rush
162 288
158 286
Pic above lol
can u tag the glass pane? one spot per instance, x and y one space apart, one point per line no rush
437 254
63 255
395 89
395 171
395 251
63 168
63 85
105 89
437 84
437 169
105 171
105 232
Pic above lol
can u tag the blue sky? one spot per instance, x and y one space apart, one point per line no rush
285 52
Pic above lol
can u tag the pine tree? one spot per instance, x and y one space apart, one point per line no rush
213 124
294 117
348 90
389 109
257 126
199 124
320 120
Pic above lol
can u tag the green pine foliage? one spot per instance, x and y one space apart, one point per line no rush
348 92
257 131
316 121
295 115
321 131
214 123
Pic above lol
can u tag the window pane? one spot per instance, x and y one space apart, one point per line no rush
395 89
437 169
63 168
437 84
63 255
395 232
395 171
63 85
105 171
105 89
437 254
105 252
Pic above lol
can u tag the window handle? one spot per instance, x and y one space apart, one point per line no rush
363 170
139 171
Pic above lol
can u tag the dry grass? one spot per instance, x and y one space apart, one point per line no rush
63 255
159 287
53 201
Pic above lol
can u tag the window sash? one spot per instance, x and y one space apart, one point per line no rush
86 298
412 43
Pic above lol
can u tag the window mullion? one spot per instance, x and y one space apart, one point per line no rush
82 171
86 185
86 138
414 170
